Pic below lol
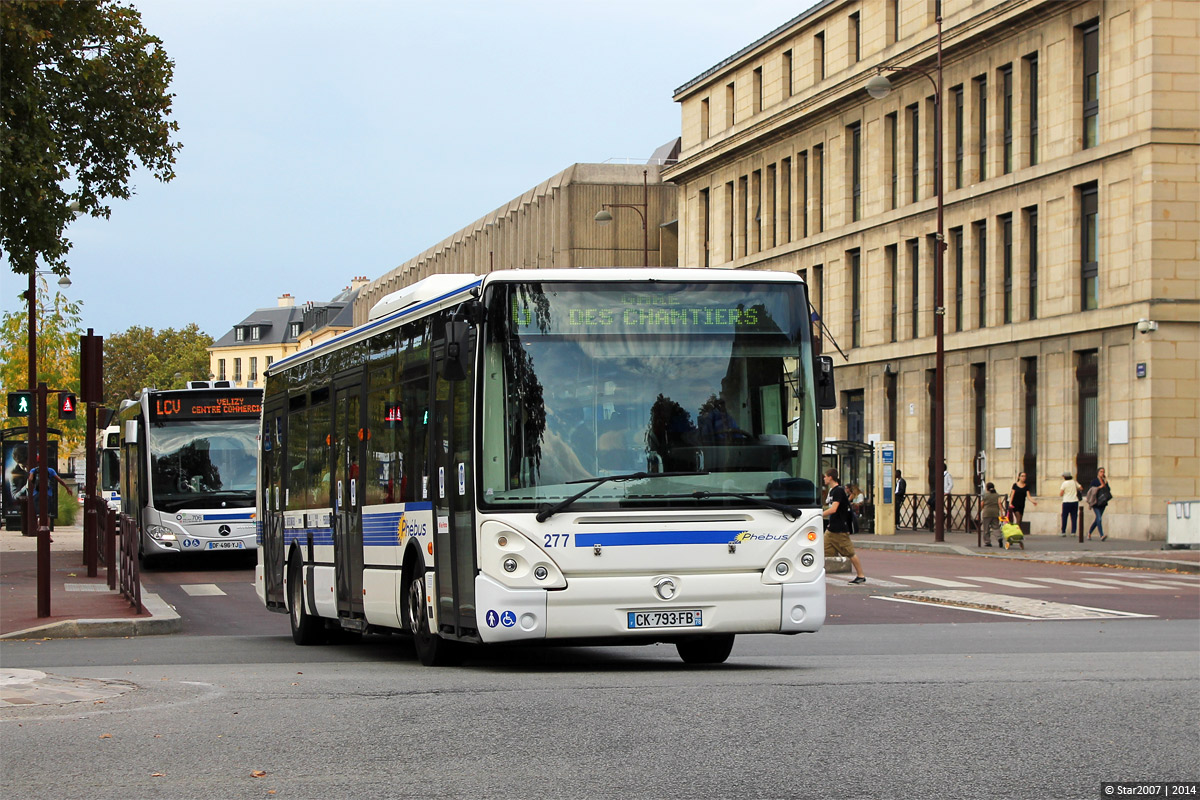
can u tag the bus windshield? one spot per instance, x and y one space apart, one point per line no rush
203 464
110 470
708 384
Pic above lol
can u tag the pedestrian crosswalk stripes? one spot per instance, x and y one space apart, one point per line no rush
1092 581
936 581
1005 582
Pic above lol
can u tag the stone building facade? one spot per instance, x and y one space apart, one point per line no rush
1069 151
553 225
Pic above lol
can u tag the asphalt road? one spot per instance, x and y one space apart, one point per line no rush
1022 710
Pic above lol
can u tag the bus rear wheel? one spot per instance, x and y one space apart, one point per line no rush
306 629
705 649
432 649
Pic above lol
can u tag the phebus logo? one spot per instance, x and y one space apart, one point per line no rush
747 536
406 528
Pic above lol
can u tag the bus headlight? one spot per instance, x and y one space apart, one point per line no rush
514 559
510 565
807 559
160 533
782 569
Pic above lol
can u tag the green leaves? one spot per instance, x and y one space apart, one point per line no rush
83 100
140 357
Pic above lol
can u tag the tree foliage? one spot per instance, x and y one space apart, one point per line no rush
58 332
140 357
83 95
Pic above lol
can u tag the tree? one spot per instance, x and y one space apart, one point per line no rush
58 332
140 357
83 93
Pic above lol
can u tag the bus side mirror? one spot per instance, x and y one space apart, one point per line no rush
454 361
826 390
131 431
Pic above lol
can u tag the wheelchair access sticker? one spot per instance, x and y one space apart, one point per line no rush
507 619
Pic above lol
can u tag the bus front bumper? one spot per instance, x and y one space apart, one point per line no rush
604 608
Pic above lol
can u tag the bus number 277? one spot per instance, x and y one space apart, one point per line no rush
558 539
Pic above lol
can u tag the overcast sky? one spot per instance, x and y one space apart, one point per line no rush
324 140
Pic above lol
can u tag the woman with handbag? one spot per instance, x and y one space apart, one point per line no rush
1097 498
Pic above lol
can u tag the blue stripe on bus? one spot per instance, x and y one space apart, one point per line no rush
228 517
631 538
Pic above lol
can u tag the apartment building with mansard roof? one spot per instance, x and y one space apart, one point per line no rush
1069 152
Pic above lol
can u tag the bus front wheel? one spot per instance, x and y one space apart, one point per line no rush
705 649
432 649
306 629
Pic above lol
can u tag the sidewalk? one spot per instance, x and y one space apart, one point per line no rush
1128 553
80 606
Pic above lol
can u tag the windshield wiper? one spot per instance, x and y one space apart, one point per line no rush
791 512
547 510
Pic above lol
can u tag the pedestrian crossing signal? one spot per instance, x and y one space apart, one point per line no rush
19 403
66 405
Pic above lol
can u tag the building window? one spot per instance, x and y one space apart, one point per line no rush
894 20
1087 382
819 56
1091 84
786 69
237 370
743 206
756 193
1006 84
981 263
729 99
253 368
772 219
914 268
893 268
295 330
1089 256
819 178
270 360
959 132
239 334
785 200
220 369
1006 240
855 38
818 285
705 228
1031 238
756 90
1031 65
1029 462
855 260
979 392
891 122
704 131
855 134
730 224
803 165
981 120
255 333
914 149
957 236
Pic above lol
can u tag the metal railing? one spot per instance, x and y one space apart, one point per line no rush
962 510
131 582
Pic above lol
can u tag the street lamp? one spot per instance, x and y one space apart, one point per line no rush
603 217
878 87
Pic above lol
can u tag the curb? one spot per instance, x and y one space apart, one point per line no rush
163 620
1089 559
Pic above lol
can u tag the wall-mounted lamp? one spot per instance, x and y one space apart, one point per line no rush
1146 326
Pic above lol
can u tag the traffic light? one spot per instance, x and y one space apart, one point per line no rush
19 404
66 405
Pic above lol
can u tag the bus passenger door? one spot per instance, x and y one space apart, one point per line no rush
348 432
453 495
270 502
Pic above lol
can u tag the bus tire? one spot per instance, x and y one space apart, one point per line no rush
432 649
306 629
705 649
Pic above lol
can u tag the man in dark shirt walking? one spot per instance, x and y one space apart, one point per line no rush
837 533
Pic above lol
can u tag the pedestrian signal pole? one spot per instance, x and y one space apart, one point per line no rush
91 391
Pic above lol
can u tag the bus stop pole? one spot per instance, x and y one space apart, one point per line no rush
90 546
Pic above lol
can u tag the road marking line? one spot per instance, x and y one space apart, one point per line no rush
954 608
872 581
1003 582
202 589
1128 584
1174 584
1076 584
1023 607
86 587
937 581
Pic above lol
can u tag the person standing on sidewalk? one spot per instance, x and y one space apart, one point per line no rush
1069 492
1017 497
837 532
900 492
990 515
1097 498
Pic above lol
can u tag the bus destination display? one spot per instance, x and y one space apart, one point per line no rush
205 405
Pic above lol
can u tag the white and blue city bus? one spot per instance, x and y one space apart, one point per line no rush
616 456
189 468
110 467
